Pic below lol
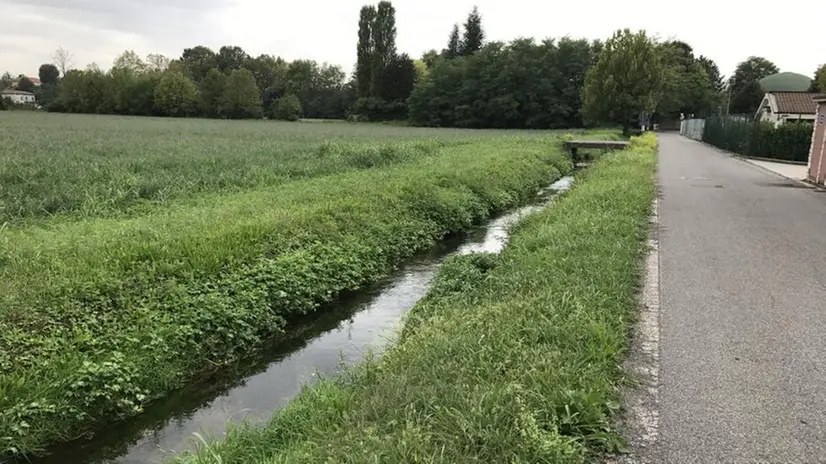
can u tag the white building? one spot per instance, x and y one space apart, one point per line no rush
779 107
18 97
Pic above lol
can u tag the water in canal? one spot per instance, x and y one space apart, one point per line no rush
253 390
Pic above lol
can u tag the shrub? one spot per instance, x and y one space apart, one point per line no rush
790 141
286 108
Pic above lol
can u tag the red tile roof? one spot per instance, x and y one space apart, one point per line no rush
795 102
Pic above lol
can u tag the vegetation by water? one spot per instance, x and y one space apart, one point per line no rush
509 359
103 310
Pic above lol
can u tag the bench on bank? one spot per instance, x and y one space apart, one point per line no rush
610 145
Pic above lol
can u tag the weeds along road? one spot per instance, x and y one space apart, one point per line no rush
743 318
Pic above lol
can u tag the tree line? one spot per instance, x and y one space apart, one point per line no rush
469 83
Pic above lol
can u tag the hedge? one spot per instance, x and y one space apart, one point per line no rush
789 142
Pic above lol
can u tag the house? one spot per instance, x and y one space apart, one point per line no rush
779 107
817 152
18 97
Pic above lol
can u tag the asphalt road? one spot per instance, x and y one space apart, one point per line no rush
743 312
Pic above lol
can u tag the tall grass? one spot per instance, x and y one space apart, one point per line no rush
103 166
98 316
509 359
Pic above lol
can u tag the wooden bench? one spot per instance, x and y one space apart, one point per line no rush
573 145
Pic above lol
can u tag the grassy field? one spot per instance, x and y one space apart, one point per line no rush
102 166
119 299
511 358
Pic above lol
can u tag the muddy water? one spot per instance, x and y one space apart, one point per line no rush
253 391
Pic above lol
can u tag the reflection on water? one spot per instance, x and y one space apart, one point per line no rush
254 390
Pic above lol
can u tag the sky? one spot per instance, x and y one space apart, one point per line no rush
326 30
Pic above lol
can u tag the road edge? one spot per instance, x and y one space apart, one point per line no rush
641 420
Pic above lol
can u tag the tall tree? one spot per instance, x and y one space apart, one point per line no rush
25 84
198 61
230 58
212 91
819 82
474 35
746 93
365 50
157 62
384 45
626 80
131 62
399 78
714 76
241 98
687 87
176 94
49 74
6 81
454 43
63 60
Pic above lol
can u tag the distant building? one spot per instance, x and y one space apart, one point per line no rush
18 97
780 107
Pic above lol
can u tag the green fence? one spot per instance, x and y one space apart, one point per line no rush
789 142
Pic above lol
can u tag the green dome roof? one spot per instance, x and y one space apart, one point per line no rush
786 82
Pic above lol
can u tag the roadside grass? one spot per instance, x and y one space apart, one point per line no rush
98 316
515 358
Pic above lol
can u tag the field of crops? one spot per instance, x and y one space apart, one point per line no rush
137 254
510 358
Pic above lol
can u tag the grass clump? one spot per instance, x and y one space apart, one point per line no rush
512 359
99 316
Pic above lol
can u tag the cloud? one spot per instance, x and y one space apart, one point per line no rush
325 30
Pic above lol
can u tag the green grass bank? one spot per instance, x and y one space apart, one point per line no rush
510 358
98 316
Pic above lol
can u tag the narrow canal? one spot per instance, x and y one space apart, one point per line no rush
252 391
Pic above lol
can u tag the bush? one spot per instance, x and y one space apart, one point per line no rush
286 108
790 141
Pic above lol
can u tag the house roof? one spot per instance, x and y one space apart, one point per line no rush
15 92
786 82
794 102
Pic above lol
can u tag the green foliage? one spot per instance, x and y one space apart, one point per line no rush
509 359
520 85
286 108
789 141
713 72
25 84
49 74
454 43
364 53
197 62
230 58
819 82
746 93
241 98
212 89
100 316
3 103
627 80
176 94
399 79
383 35
474 35
687 86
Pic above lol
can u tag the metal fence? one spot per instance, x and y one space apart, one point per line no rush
692 128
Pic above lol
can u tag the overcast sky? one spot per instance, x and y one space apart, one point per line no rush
325 30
